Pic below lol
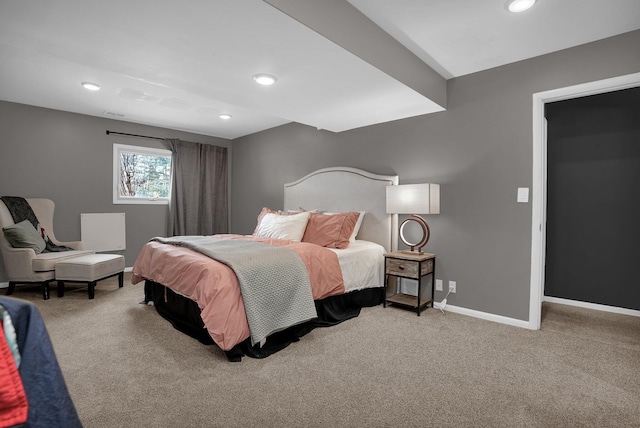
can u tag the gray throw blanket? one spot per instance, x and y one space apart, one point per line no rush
21 210
273 280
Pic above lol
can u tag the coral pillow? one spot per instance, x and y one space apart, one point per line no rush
356 229
331 231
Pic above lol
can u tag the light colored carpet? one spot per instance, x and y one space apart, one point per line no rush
125 366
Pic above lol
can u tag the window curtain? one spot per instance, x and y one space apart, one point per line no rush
199 202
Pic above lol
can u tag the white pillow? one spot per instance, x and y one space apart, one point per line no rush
289 227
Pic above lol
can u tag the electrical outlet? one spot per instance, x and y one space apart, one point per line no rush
438 285
452 286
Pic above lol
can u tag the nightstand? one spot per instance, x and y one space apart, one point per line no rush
401 264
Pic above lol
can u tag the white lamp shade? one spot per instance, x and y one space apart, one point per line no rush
413 199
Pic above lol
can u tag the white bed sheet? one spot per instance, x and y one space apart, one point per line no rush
362 264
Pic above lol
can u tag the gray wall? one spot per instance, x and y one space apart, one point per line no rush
593 204
479 150
67 157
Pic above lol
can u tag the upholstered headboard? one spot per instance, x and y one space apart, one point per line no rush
342 189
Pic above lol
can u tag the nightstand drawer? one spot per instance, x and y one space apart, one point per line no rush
406 268
426 267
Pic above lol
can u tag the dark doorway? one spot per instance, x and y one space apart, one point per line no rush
593 199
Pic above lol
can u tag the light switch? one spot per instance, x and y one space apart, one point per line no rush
523 195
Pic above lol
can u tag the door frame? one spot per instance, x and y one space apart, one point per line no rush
539 178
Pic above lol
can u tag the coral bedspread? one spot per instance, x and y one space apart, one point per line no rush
214 286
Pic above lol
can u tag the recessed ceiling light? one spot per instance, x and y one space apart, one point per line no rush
91 86
520 5
225 116
265 79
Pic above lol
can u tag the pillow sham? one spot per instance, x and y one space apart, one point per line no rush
24 235
278 226
266 211
356 229
330 230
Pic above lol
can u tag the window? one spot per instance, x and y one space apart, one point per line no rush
141 175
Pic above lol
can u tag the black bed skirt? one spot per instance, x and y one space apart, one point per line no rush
184 315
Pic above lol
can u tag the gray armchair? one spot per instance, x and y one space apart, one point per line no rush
24 265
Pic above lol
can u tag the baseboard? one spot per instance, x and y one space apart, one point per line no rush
410 286
6 284
594 306
487 316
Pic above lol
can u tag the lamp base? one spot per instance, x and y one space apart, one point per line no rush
426 234
412 252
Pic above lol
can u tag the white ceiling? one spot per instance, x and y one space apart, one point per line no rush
458 37
179 64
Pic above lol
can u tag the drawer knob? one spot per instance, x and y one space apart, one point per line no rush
401 267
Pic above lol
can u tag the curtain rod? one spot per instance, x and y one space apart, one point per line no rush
134 135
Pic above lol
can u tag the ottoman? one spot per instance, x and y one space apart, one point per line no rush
89 268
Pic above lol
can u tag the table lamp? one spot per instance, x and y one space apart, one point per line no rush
414 199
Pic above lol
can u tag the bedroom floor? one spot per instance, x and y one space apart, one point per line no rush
126 366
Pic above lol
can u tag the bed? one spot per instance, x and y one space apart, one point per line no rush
210 298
